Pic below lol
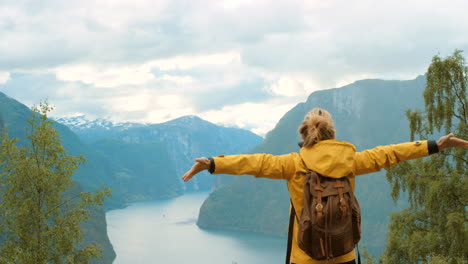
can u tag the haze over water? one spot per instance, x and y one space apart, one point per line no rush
165 231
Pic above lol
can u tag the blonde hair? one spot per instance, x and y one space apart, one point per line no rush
317 125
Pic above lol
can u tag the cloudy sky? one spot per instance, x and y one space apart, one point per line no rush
232 62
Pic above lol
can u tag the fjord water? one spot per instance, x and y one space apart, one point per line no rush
165 231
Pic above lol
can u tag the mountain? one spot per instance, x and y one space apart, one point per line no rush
184 138
367 113
14 115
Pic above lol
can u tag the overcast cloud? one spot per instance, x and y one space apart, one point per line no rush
236 63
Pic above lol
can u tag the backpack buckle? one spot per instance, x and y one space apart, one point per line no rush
319 207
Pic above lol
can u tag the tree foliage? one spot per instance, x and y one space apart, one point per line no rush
40 208
434 228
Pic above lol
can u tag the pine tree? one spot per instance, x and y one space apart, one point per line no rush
434 229
40 209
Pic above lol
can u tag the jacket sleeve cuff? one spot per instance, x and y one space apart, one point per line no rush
432 147
212 165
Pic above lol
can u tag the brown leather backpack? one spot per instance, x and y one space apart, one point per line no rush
330 221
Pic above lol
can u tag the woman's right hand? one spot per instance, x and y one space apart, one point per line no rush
450 141
201 164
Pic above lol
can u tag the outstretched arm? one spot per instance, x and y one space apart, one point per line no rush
375 159
258 165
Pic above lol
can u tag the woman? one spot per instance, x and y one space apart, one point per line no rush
323 154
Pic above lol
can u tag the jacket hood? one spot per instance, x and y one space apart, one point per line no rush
331 158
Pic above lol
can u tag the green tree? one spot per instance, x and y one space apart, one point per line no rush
40 209
434 228
367 258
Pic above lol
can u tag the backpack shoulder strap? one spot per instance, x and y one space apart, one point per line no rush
292 215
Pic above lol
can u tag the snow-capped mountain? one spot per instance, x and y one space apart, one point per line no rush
90 130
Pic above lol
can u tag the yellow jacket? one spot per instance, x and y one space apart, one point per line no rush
332 158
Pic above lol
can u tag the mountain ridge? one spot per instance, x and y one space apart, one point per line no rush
184 138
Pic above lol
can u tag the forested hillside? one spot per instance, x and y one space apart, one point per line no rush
14 116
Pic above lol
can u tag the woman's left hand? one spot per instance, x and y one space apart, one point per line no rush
201 164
